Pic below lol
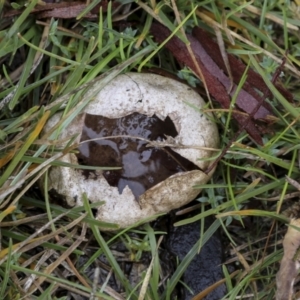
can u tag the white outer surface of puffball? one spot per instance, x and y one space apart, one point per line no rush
146 94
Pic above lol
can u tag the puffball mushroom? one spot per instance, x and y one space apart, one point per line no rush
136 112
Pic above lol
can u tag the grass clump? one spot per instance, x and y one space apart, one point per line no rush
55 64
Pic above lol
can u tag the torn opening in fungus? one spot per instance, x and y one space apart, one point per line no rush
142 167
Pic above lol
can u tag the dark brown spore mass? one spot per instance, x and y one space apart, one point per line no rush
142 167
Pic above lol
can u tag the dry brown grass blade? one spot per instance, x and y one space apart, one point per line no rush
223 52
197 67
71 265
32 242
293 182
148 273
246 266
23 220
272 17
208 290
42 167
211 22
290 262
40 261
49 270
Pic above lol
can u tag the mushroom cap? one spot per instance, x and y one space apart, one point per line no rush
147 94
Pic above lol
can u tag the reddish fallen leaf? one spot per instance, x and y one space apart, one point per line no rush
63 10
216 80
237 69
66 12
245 100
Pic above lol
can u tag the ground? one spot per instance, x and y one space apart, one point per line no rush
241 57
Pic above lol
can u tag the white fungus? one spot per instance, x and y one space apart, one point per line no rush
150 95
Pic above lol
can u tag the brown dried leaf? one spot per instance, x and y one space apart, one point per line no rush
62 10
66 12
289 266
245 102
216 80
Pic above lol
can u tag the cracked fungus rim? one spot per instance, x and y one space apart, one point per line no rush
130 143
146 94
